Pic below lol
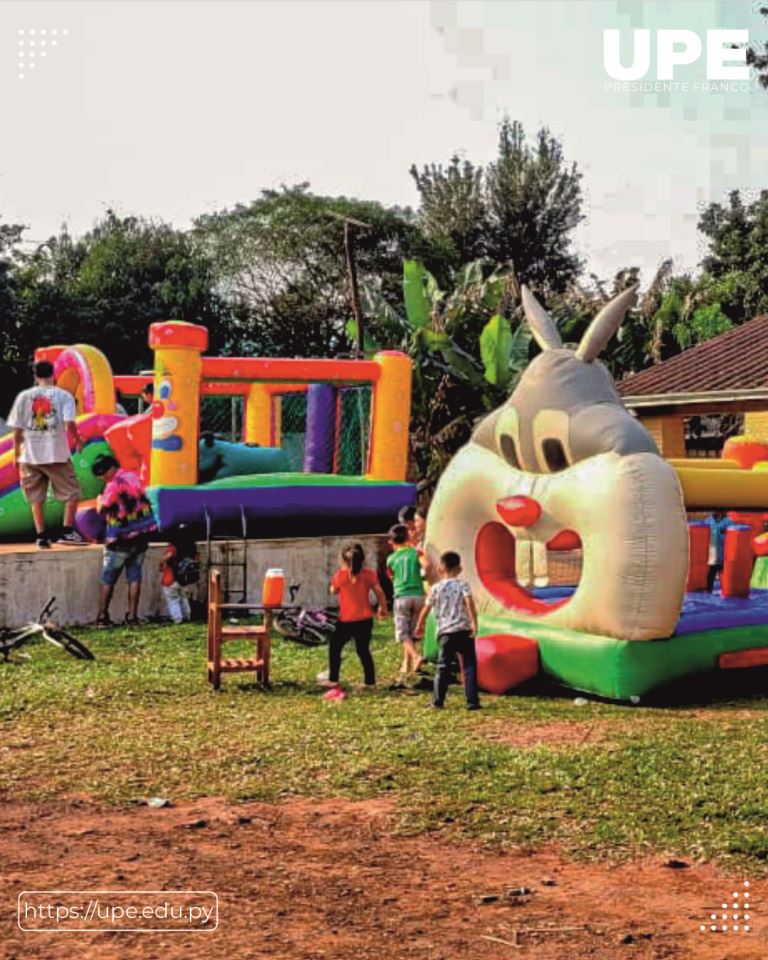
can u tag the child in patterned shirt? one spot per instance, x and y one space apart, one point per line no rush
450 599
129 522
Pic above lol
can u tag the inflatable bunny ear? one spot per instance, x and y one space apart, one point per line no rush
542 325
605 324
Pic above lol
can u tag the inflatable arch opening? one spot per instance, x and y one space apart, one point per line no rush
84 372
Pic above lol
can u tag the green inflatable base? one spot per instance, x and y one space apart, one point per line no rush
15 516
618 669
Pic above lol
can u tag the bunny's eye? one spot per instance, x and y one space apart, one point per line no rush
509 450
554 455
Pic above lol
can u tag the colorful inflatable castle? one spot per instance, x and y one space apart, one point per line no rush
255 486
563 471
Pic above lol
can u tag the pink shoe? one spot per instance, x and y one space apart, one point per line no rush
335 694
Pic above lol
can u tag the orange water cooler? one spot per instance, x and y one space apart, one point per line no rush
273 589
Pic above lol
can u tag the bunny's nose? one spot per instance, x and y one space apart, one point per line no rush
519 511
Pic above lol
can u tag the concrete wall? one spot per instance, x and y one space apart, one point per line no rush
30 577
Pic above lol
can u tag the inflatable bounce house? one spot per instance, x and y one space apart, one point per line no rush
563 469
206 482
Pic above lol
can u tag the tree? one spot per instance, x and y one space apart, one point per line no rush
452 211
108 286
520 211
737 262
758 58
280 261
15 366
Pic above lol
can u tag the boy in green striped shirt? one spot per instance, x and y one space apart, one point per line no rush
404 569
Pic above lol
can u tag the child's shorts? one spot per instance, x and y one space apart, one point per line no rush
115 561
407 610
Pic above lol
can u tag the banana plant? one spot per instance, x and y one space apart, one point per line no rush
464 349
432 317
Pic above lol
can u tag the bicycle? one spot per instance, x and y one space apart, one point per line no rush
13 639
309 626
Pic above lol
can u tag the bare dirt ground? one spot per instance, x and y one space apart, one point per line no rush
309 881
562 733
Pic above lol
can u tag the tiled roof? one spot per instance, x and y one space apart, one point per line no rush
734 360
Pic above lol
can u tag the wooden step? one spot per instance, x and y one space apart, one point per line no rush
235 633
239 664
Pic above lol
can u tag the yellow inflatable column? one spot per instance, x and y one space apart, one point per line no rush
390 417
258 415
176 409
277 420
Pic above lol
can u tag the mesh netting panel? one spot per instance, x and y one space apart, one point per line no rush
294 428
564 568
222 416
355 430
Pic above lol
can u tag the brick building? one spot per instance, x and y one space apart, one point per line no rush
691 401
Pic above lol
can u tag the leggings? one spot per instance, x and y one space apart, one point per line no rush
359 631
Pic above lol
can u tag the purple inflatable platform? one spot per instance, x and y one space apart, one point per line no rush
286 505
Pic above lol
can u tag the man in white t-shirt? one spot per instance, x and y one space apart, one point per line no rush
43 424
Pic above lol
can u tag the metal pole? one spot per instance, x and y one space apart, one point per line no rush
349 253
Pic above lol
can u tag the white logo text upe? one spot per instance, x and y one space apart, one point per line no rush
677 48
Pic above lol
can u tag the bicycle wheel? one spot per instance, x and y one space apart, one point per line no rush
11 640
287 625
312 636
64 640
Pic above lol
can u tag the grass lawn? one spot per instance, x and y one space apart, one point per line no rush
602 781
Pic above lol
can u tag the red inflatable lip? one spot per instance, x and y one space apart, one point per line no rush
565 540
495 563
522 511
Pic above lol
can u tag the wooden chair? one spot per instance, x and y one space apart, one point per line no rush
218 635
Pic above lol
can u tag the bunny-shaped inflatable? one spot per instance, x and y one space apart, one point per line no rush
560 465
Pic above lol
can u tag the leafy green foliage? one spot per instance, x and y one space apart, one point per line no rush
416 296
496 350
706 322
280 263
738 241
462 362
105 289
10 352
757 57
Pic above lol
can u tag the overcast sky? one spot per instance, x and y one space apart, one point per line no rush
172 109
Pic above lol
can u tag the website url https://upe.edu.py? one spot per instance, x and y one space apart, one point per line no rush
134 911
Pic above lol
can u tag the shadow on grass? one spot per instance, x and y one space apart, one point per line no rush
717 689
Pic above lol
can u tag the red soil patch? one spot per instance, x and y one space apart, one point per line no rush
312 881
563 733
